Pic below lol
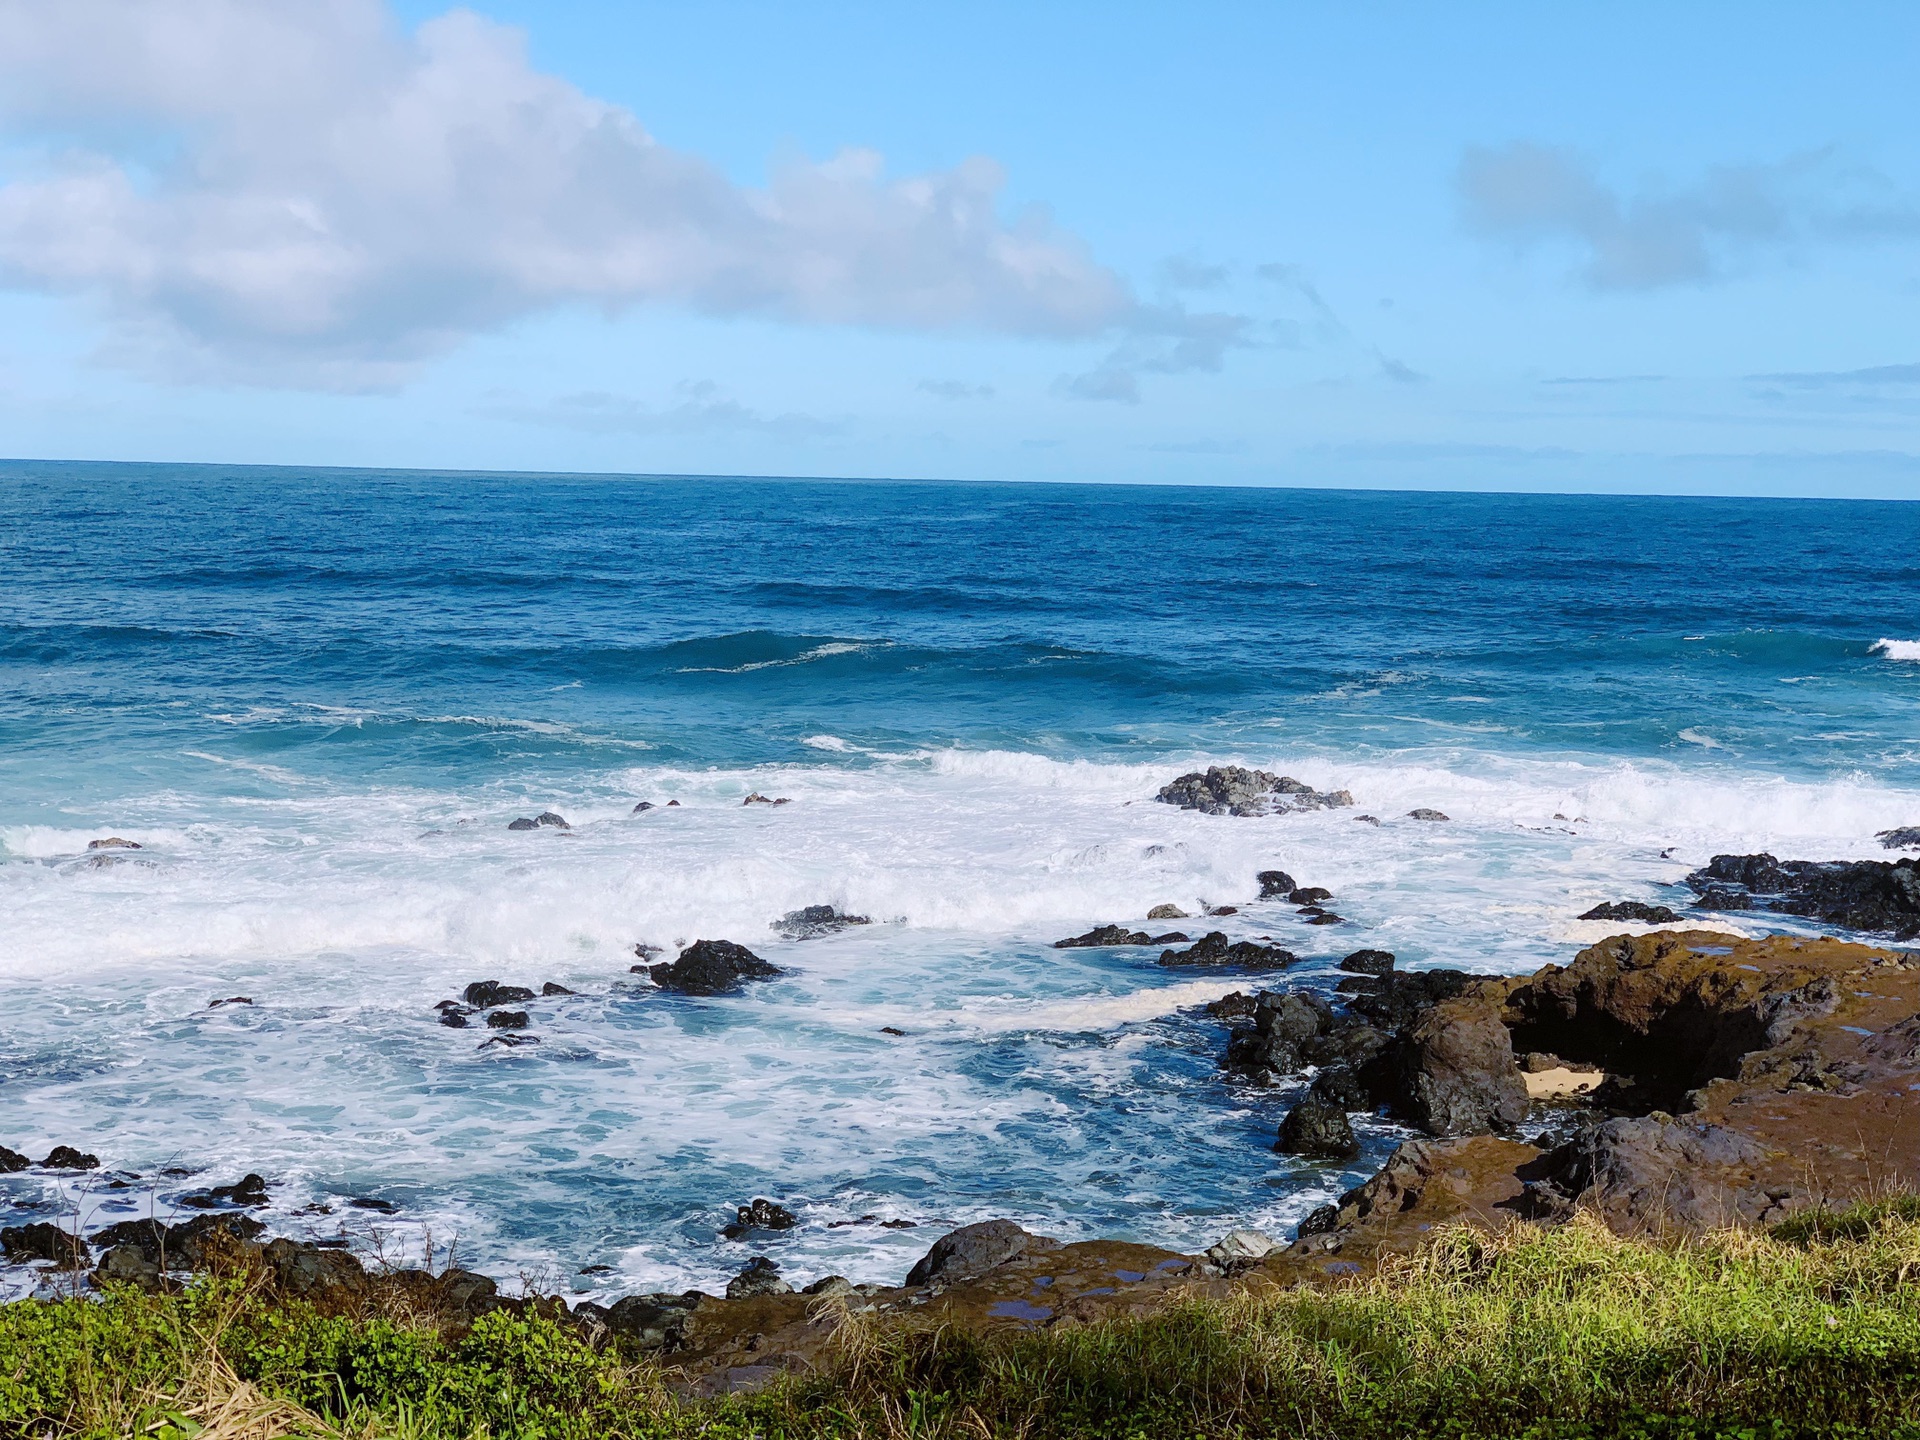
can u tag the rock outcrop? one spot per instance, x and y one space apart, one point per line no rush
973 1250
1214 949
1876 896
1235 790
1103 935
813 921
711 967
1637 911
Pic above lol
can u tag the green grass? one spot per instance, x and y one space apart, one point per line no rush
1550 1334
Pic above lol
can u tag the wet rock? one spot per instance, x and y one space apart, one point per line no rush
1214 948
454 1017
546 819
1308 895
1342 1087
249 1190
1906 837
374 1203
1102 935
1396 1000
1326 917
1240 1248
485 994
1275 883
891 1030
641 808
1723 897
756 798
651 1322
1351 1042
760 1215
760 1277
1368 962
12 1160
1878 896
1423 813
552 988
1232 1006
230 1000
1167 912
509 1040
815 920
1271 1046
1318 1130
508 1020
65 1157
973 1250
1458 1075
1234 790
1633 910
41 1241
711 967
1224 910
113 842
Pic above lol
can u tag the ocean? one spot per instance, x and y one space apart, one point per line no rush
316 699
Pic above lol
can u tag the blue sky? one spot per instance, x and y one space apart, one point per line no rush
1622 247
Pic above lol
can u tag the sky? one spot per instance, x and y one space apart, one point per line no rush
1621 247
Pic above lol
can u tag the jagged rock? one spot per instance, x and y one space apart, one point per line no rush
127 1265
454 1018
1239 1248
1234 790
1458 1075
1342 1087
652 1322
1102 935
1317 1129
1283 1023
641 808
509 1040
1309 895
12 1160
828 1286
552 988
113 842
1231 1006
230 1000
1657 1168
65 1157
1214 948
42 1241
1423 813
760 1277
249 1190
1359 1047
1368 962
711 967
972 1250
1906 837
1167 912
508 1020
756 798
485 994
1634 910
1325 917
1394 1001
1879 896
814 921
546 819
307 1272
760 1215
1275 883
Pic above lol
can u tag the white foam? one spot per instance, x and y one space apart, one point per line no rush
1897 649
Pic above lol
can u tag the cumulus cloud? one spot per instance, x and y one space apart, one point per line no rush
1669 235
309 193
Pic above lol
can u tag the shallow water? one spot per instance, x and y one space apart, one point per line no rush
316 699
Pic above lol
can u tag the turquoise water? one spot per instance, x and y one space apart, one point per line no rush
316 699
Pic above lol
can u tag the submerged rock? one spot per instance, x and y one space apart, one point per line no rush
1235 790
815 920
760 1214
507 1020
1423 813
1102 935
1368 962
552 988
711 967
114 842
1633 910
1906 837
756 798
641 808
485 994
1213 948
546 819
65 1157
973 1250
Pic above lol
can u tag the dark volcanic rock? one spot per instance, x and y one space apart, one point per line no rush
1395 1000
1284 1023
1633 910
248 1190
1341 1087
1906 837
1231 1007
485 994
1167 912
12 1160
760 1215
1116 935
1274 883
553 987
652 1322
814 921
1317 1129
507 1020
309 1272
454 1017
113 842
760 1277
973 1250
41 1241
641 808
65 1157
711 967
1879 896
1723 897
1425 814
1309 895
1214 948
1234 790
1458 1075
1368 962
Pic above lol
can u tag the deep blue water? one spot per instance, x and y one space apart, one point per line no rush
316 697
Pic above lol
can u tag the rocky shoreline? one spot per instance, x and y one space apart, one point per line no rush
1682 1078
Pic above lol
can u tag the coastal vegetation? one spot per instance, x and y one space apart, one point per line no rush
1553 1333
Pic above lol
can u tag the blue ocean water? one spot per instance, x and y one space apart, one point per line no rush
315 698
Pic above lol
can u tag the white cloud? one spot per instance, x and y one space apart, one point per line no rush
308 194
1667 235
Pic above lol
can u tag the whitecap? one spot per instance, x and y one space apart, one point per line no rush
1897 649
